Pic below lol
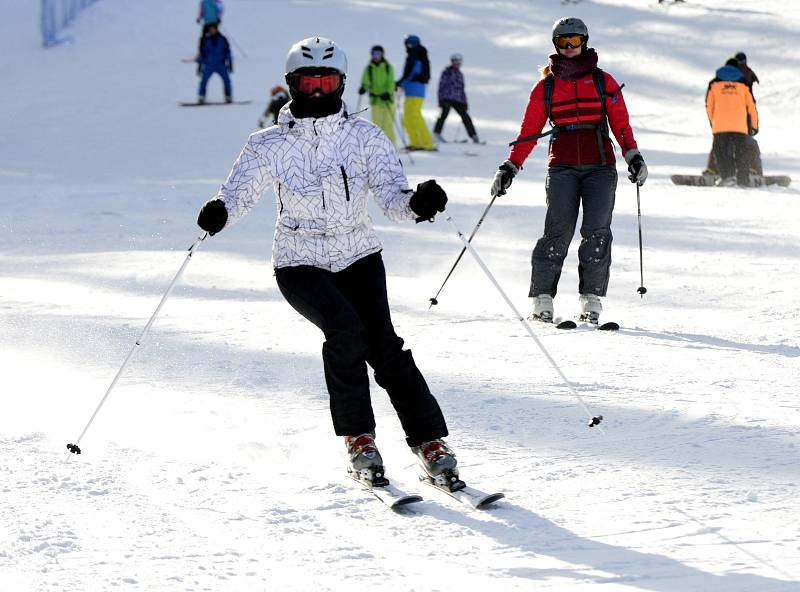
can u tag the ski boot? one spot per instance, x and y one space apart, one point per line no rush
438 138
366 464
228 99
542 308
439 463
591 307
201 99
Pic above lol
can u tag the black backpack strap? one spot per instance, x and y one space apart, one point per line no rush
602 128
549 84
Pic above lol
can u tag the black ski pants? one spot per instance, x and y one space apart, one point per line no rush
733 156
752 154
461 109
352 310
568 187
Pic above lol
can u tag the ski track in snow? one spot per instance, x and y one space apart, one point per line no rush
213 465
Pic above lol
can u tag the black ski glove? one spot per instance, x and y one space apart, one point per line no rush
753 131
213 216
362 90
427 200
636 167
230 68
503 177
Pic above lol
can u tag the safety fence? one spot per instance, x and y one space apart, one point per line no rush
57 16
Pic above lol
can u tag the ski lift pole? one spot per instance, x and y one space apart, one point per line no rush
594 419
74 448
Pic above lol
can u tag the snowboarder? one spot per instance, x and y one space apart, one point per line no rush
582 103
279 96
378 81
733 117
214 57
453 95
752 149
322 164
210 13
416 75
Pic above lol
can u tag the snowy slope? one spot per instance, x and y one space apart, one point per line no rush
213 465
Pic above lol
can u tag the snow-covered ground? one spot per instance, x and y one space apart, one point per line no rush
213 465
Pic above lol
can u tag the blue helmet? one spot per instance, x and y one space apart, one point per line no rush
412 40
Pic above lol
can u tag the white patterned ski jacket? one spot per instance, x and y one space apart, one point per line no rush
322 171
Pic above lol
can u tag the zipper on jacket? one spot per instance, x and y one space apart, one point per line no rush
280 201
323 200
578 117
346 186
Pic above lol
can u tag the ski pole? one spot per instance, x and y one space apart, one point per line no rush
641 290
74 448
595 419
461 254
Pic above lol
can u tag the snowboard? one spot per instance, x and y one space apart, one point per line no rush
708 181
212 103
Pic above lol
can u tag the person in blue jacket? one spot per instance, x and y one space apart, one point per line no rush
416 74
210 13
214 57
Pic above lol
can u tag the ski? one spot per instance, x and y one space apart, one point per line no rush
390 495
212 103
469 496
586 325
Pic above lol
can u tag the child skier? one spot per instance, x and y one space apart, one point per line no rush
322 164
214 57
416 74
279 96
453 95
582 103
378 81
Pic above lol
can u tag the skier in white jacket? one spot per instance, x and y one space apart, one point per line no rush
322 163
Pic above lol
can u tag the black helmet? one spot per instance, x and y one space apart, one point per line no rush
740 57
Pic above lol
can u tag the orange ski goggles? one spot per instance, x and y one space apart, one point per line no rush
566 41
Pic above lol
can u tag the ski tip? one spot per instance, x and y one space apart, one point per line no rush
610 326
568 324
490 499
407 500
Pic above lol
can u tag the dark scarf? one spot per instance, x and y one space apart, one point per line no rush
304 106
573 68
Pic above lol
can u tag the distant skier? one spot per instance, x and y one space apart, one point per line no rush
582 103
214 57
733 117
453 95
416 75
279 96
377 80
322 164
210 13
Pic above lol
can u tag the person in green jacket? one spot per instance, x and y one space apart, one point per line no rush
378 81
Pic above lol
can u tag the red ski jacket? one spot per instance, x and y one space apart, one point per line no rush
575 102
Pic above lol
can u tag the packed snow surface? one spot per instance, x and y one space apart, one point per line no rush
213 464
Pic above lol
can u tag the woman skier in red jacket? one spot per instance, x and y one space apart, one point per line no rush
583 104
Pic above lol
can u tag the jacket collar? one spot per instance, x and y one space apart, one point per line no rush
312 125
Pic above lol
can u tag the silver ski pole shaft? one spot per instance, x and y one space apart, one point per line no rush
74 448
594 419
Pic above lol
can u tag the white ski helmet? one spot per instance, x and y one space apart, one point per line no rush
570 25
316 52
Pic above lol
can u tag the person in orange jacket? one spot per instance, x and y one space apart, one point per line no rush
733 117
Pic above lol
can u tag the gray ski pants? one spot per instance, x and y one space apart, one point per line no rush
569 187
